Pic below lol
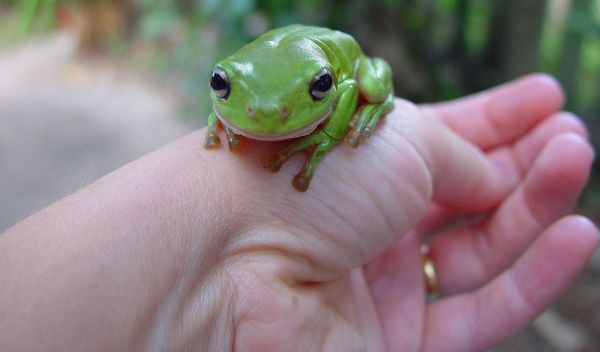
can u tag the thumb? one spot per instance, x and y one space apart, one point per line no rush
361 199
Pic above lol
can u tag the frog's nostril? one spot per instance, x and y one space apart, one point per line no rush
260 112
284 113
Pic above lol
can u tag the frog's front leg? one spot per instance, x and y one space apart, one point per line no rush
315 138
212 140
212 137
322 140
302 180
233 140
375 81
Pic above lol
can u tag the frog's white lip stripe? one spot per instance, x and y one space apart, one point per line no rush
295 134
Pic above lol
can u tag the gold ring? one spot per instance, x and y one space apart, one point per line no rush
429 273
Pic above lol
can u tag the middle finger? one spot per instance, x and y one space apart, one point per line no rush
468 257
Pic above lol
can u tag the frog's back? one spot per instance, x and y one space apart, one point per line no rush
342 49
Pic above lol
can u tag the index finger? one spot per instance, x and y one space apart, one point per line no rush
500 115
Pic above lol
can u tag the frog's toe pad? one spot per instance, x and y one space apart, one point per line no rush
274 163
301 182
212 141
353 140
234 143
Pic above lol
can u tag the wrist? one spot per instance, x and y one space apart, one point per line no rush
130 260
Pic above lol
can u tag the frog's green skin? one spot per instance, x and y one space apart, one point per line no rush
269 94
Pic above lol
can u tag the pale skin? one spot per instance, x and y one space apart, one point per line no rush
186 249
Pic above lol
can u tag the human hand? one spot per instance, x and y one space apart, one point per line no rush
328 286
206 250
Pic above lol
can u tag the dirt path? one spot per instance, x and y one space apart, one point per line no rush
65 123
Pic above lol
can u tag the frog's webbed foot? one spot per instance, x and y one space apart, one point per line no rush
320 142
301 181
274 163
366 120
212 140
375 79
233 139
359 124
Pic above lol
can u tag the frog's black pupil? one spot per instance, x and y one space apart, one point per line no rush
217 82
323 83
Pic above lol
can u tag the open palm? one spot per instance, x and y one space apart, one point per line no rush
339 268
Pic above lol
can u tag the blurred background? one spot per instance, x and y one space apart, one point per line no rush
86 86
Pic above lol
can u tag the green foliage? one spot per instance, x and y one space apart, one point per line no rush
40 12
438 49
158 18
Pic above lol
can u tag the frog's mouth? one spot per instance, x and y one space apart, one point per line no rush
276 137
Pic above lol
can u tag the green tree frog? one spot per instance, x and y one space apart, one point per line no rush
310 84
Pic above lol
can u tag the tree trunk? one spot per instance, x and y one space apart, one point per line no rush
515 31
572 48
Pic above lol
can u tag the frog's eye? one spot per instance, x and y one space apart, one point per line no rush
320 85
220 83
